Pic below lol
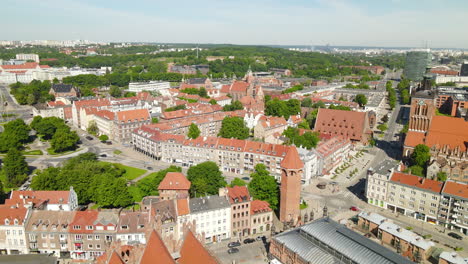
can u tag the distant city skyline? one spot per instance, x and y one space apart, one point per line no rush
389 23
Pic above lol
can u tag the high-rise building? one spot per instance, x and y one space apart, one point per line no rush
416 64
464 69
290 191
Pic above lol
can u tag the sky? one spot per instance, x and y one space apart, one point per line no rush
385 23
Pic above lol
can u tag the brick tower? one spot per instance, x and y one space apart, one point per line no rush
290 190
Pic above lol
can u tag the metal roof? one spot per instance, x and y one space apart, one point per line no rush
208 203
325 237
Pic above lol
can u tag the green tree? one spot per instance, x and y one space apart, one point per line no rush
202 92
213 102
421 155
441 176
304 124
113 192
64 140
237 182
384 118
382 127
361 100
206 179
417 170
264 187
103 137
47 180
93 128
307 102
236 105
15 168
307 140
154 120
194 131
233 127
115 91
18 128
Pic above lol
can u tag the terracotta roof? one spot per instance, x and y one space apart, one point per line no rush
105 114
350 124
83 218
239 86
136 222
55 103
6 212
91 103
38 197
415 181
192 251
50 221
456 189
446 130
115 259
174 181
444 72
292 160
329 146
257 206
27 65
414 138
182 207
132 115
156 251
225 88
238 194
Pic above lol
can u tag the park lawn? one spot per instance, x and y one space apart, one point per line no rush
53 153
130 172
33 152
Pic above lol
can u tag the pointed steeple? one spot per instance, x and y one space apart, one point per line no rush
292 160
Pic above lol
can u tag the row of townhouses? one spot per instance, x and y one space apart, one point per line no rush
444 203
48 222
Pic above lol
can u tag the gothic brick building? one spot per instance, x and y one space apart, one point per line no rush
290 190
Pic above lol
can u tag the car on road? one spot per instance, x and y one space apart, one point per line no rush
234 244
261 238
455 235
109 143
103 155
89 137
249 240
233 250
354 208
246 178
150 168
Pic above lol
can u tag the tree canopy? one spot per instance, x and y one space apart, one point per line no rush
307 140
15 168
421 155
264 187
93 181
237 182
193 131
233 127
361 100
285 109
206 179
236 105
15 134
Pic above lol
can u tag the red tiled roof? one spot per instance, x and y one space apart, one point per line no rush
92 103
38 197
257 206
105 114
415 181
239 86
456 189
133 115
350 124
174 181
445 72
115 259
55 103
292 160
27 65
156 251
238 194
414 138
192 252
182 207
225 88
83 219
6 212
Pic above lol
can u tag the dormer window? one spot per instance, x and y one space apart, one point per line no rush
7 222
89 227
125 227
141 226
76 227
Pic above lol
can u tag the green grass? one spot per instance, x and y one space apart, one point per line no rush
33 152
53 153
130 172
117 152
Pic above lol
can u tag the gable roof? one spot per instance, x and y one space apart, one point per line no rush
6 212
416 181
456 189
238 194
61 87
38 197
292 160
182 207
156 251
132 115
350 124
115 259
257 207
239 86
174 181
192 251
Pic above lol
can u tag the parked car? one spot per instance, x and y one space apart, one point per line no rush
249 240
261 238
234 244
233 250
89 137
246 178
455 235
150 168
354 208
103 155
109 143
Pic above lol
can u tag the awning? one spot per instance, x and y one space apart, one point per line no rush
78 244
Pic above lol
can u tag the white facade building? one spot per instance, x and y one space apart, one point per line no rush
148 86
26 57
377 181
311 165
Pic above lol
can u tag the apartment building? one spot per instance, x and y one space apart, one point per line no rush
312 166
332 152
148 86
132 227
270 128
376 183
91 232
453 209
47 232
44 200
239 198
127 121
231 155
12 230
212 215
261 217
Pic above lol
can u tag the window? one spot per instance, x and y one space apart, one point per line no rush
97 237
90 246
98 246
78 237
433 204
44 235
90 237
51 235
125 227
89 227
77 227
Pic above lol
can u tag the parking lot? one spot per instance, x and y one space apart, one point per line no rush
252 253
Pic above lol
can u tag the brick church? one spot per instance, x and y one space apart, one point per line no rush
248 91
